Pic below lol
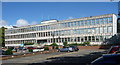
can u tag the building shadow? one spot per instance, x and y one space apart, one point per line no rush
74 60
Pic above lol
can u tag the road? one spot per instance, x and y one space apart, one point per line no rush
81 56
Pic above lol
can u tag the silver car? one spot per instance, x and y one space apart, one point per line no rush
66 49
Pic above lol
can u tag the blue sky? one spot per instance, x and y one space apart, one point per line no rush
35 12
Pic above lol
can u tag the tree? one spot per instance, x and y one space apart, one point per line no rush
118 23
2 36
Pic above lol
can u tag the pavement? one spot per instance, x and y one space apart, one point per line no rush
81 56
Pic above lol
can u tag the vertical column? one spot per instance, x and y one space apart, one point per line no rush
80 39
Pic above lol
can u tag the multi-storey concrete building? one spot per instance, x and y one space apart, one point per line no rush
94 29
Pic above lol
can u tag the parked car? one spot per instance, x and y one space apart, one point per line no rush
109 59
75 48
113 49
30 48
66 49
22 48
38 49
3 52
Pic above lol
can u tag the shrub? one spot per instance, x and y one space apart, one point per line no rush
54 44
30 50
8 52
56 47
86 43
46 48
28 43
65 43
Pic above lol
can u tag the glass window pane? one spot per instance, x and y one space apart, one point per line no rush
97 21
68 24
93 22
97 30
81 31
93 30
101 29
110 29
78 23
71 24
75 24
101 20
89 30
105 20
85 22
105 29
78 31
85 30
89 22
81 22
110 19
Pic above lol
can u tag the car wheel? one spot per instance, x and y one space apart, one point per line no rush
68 51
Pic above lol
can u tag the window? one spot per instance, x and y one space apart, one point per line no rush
46 27
78 23
93 38
93 30
85 30
51 27
93 22
62 25
43 27
105 29
110 19
59 33
75 24
101 38
97 21
62 32
89 30
89 22
101 20
97 30
65 24
71 32
101 29
68 32
110 29
105 20
78 31
85 22
81 31
39 28
97 38
68 24
74 31
81 22
71 24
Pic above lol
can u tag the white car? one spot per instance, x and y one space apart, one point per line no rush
38 49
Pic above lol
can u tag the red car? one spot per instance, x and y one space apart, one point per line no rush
114 49
30 48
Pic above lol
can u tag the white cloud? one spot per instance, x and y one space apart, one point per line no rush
21 22
4 23
33 23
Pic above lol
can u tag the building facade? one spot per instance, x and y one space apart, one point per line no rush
95 29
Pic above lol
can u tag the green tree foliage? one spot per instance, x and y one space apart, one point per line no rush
2 36
28 43
118 25
8 52
46 48
54 44
65 43
30 50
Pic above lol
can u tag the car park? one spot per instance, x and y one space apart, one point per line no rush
108 59
38 49
113 49
66 49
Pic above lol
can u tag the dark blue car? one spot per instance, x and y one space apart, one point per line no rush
109 59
